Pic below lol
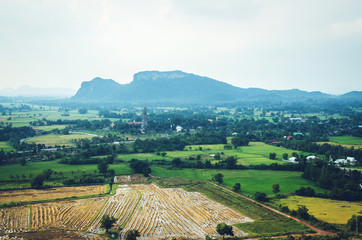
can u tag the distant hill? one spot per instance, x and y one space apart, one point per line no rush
181 87
27 91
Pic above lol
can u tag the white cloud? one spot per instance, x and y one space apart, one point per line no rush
347 28
254 43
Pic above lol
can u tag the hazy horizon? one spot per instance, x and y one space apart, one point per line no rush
278 45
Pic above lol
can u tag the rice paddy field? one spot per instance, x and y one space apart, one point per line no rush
57 139
327 210
5 146
35 168
251 181
347 140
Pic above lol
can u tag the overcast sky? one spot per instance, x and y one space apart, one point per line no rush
279 44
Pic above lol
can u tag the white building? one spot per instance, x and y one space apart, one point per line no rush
293 159
178 128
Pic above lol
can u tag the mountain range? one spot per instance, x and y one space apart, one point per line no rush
181 87
27 91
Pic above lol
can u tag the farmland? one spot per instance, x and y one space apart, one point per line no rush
332 211
347 140
251 181
57 139
5 146
35 168
155 212
28 195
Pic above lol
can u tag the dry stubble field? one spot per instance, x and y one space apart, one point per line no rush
49 193
155 212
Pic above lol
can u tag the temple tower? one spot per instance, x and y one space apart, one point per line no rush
144 120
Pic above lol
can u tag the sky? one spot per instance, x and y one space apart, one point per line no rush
312 45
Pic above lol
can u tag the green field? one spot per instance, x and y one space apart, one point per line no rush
38 167
251 180
255 154
6 147
49 128
347 140
57 139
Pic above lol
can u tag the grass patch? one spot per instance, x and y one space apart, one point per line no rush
6 147
49 128
327 210
57 139
347 140
271 227
251 181
36 168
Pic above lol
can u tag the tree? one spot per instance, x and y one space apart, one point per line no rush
230 162
176 162
82 110
276 188
103 167
285 156
218 178
217 156
132 235
260 196
272 155
302 212
107 222
23 162
239 141
355 224
237 187
224 229
37 181
47 173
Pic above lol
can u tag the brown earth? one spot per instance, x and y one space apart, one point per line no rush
26 195
55 235
129 178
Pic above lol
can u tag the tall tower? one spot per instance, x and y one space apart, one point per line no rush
144 120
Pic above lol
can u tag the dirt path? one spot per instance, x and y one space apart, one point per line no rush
318 231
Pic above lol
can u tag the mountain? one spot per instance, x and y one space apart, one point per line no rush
27 91
181 87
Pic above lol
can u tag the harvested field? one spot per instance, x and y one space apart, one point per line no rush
119 206
14 219
67 215
155 212
128 178
174 212
49 193
54 235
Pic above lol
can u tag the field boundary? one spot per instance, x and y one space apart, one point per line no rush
317 230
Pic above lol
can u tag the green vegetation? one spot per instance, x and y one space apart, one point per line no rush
251 181
35 168
327 210
347 140
57 139
5 146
